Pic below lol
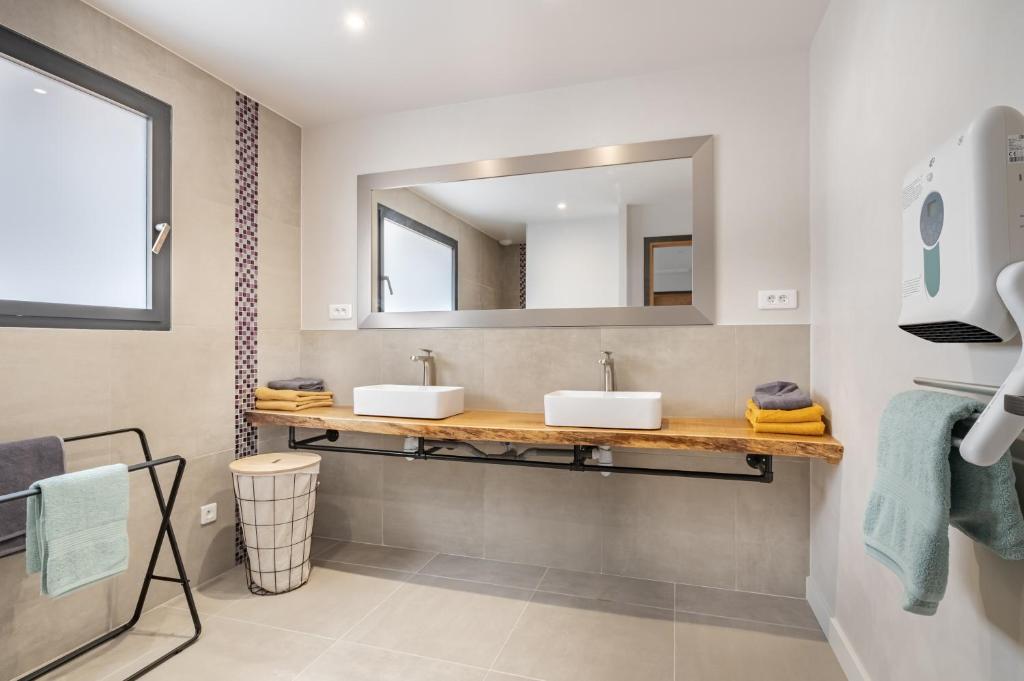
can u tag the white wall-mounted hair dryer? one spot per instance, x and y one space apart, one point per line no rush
963 247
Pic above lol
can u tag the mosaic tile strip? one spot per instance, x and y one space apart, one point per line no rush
246 250
522 276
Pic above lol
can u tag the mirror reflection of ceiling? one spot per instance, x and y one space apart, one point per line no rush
501 207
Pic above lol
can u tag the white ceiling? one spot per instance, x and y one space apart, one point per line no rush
503 206
298 58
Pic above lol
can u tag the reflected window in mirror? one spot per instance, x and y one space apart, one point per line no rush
668 270
418 266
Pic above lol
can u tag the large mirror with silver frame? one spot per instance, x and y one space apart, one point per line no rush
612 236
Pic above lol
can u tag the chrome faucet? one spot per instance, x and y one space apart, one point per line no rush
429 371
608 366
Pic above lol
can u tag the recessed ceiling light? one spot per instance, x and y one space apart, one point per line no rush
505 242
562 205
355 22
39 91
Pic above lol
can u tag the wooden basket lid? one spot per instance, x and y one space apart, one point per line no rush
272 464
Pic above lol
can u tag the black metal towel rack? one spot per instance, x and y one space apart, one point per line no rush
166 506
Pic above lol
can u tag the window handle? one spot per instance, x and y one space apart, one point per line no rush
163 231
387 280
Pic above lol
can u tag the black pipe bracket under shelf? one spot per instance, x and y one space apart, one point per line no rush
425 451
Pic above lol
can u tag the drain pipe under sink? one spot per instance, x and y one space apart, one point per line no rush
603 456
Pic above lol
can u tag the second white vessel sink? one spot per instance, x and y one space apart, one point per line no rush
410 401
601 409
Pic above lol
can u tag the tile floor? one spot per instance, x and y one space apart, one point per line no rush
375 613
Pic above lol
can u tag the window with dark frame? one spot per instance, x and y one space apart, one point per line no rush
85 186
424 275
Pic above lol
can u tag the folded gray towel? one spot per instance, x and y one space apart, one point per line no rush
22 463
781 395
314 384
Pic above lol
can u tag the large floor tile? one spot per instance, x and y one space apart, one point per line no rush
453 620
335 598
564 638
715 649
158 631
793 612
483 570
231 650
356 662
217 594
373 555
609 588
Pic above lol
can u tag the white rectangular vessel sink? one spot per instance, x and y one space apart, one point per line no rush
600 409
410 401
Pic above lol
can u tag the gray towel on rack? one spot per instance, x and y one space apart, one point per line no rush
313 384
22 463
781 395
923 485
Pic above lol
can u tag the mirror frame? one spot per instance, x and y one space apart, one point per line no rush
702 311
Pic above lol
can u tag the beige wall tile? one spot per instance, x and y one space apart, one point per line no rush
178 386
434 505
670 529
344 359
280 169
692 366
203 239
521 365
348 504
35 628
278 281
459 358
771 353
542 517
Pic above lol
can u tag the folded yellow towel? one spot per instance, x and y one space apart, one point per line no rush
758 415
286 405
806 428
263 393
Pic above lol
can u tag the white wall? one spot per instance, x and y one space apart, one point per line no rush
573 263
890 81
652 220
756 109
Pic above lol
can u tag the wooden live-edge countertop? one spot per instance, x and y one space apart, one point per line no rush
705 435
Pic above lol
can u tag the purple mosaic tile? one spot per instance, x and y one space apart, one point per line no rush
246 250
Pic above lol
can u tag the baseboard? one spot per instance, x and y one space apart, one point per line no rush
844 652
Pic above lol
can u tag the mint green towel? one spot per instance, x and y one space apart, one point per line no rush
76 532
923 485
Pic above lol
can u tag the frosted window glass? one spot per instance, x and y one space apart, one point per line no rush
420 269
74 189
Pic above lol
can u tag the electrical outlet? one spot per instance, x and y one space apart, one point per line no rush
207 514
785 299
339 311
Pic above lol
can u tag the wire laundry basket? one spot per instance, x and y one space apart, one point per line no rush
276 500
